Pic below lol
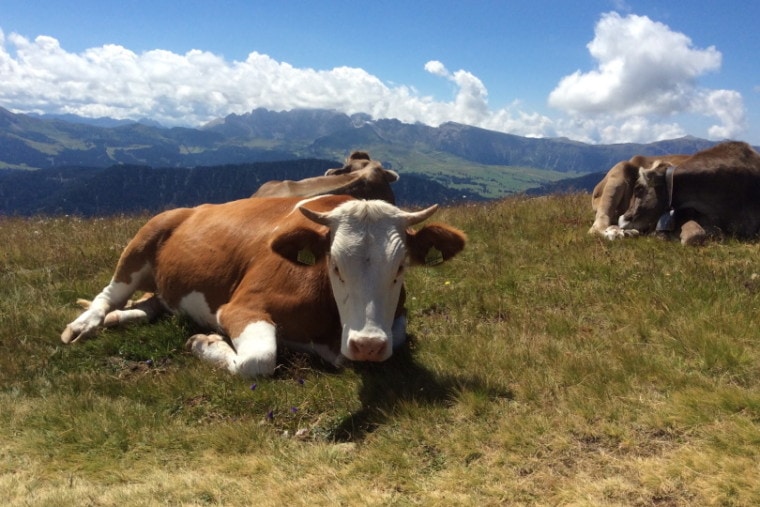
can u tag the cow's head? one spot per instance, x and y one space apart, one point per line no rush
612 196
357 161
650 200
369 250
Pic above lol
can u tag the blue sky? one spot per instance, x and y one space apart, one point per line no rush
595 71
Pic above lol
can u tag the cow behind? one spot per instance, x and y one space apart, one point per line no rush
360 177
717 189
611 196
357 161
323 274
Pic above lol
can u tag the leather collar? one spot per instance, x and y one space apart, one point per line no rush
669 182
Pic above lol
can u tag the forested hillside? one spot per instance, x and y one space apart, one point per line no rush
126 189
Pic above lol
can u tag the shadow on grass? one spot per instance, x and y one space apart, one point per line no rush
401 379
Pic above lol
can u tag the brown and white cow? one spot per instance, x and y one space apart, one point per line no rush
324 274
611 196
360 177
717 189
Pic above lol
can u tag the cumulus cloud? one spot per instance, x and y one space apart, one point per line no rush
646 70
437 68
191 88
471 102
646 75
198 86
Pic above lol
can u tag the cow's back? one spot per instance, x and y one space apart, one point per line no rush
216 246
720 187
365 179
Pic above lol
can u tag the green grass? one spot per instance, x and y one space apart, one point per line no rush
490 181
547 367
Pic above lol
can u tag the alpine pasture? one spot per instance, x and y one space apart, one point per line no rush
546 367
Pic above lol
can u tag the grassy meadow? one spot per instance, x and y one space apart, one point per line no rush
546 367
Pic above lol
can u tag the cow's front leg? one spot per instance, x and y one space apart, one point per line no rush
692 234
256 350
214 349
253 352
614 232
114 295
149 307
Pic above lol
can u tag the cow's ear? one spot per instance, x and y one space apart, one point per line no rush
390 176
630 171
434 244
649 176
301 245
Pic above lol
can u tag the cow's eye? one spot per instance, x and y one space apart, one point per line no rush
336 272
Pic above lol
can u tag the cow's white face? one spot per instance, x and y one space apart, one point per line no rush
367 261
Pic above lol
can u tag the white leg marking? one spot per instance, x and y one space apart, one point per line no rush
114 295
147 308
194 305
256 350
213 349
613 232
87 323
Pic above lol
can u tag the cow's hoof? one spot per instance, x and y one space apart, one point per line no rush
84 303
198 342
692 234
694 240
112 319
72 334
69 335
614 232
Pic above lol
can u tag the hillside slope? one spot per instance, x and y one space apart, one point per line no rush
467 158
130 189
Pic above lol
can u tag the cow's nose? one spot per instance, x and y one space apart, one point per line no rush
369 348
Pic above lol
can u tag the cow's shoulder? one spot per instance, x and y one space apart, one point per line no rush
626 171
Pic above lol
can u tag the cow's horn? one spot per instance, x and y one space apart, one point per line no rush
315 216
420 216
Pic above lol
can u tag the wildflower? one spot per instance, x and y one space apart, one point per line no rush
253 387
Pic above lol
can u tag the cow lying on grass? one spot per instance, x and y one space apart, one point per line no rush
611 196
323 274
360 177
714 191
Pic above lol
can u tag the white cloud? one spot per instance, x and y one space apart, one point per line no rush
194 88
646 75
646 70
727 106
437 68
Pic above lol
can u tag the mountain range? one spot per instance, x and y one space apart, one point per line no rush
471 162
